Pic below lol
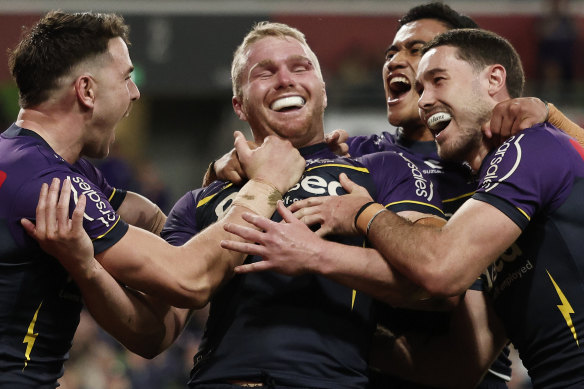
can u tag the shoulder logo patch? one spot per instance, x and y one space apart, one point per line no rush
576 145
2 177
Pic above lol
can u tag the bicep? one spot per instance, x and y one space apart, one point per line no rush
476 235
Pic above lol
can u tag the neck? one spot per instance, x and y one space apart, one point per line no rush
62 133
417 133
476 157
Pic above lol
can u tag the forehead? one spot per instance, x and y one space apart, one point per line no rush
274 49
442 58
119 52
419 30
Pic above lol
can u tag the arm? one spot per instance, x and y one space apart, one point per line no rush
138 211
187 276
141 323
512 116
558 119
292 248
475 338
445 261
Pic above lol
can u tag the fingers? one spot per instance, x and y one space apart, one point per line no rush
253 267
332 137
78 213
243 247
40 210
241 145
63 204
309 202
247 233
285 213
351 187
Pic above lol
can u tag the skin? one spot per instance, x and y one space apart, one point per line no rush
277 68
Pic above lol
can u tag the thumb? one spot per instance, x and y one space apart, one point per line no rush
28 226
241 146
346 183
486 128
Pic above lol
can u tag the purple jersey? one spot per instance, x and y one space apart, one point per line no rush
39 304
536 178
304 331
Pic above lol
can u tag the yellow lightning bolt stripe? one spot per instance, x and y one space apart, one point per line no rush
565 308
353 299
30 337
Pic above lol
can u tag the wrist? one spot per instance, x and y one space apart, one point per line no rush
364 219
259 196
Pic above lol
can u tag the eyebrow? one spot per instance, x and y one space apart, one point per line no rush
408 45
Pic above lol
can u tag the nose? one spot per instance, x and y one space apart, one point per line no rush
398 60
426 99
134 91
285 77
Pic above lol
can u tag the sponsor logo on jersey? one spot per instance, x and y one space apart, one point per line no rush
314 185
492 176
2 178
80 187
500 268
424 188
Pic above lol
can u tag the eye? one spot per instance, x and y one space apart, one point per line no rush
438 80
389 55
300 68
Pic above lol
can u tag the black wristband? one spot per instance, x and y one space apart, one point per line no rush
360 211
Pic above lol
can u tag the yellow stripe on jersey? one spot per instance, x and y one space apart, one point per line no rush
205 200
31 336
105 233
458 197
358 168
524 214
565 308
414 202
112 195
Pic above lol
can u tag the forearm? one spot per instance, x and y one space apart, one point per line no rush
475 338
186 276
141 323
138 211
365 270
558 119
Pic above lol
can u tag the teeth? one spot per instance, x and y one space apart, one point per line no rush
439 121
288 102
399 79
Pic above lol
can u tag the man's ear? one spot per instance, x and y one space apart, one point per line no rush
497 79
85 90
238 108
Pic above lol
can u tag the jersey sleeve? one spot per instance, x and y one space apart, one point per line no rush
181 223
115 196
369 144
401 185
101 222
526 174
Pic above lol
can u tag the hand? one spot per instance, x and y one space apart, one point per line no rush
337 142
59 236
335 214
511 116
286 247
276 161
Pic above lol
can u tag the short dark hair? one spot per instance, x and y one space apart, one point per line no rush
54 45
482 48
438 11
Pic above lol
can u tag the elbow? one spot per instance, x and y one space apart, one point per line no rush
193 294
439 280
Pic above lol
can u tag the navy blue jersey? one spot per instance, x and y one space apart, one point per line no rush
455 184
308 330
39 304
537 179
455 181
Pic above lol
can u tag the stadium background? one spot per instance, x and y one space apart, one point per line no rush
182 53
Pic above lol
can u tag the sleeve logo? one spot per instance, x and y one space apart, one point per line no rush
2 177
